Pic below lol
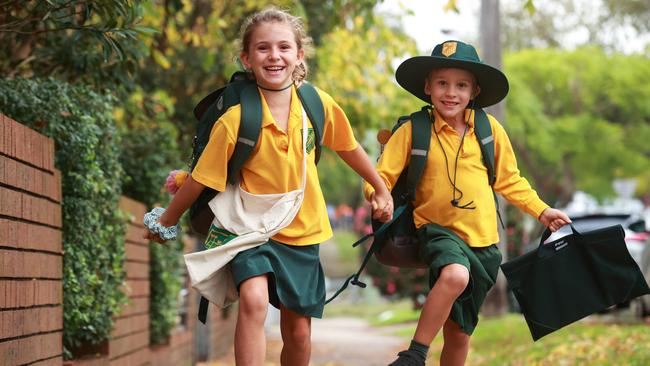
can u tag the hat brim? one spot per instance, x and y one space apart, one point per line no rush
411 75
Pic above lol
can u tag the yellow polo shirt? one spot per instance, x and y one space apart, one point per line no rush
275 166
478 227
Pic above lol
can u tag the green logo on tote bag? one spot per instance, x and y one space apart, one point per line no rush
218 237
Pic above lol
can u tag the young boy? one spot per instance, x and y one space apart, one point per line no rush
454 209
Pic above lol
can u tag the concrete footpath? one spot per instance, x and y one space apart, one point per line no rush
337 342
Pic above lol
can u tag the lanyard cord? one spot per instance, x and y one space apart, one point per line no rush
455 201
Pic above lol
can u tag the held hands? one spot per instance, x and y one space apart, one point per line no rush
554 219
382 205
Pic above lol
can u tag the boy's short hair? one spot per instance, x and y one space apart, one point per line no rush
412 73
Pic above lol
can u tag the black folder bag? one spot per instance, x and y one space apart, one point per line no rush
577 275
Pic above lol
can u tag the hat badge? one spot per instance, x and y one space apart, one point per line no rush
449 48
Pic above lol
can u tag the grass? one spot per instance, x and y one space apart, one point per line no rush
348 255
506 340
368 311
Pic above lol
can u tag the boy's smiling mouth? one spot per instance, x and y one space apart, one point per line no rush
449 104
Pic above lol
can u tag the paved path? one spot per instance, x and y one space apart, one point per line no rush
337 342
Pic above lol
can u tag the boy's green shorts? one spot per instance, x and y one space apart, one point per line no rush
296 278
440 247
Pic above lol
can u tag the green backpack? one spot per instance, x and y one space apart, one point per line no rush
240 90
395 242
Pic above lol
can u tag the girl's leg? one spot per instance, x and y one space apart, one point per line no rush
456 346
296 336
450 285
250 340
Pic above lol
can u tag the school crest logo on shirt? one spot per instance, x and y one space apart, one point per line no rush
449 48
311 139
218 237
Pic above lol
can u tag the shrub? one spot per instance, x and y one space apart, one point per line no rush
87 154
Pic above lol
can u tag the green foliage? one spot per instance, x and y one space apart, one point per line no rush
149 145
618 25
340 184
578 120
355 65
92 41
149 153
165 275
87 152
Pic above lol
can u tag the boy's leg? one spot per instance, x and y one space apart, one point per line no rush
451 283
456 345
296 336
250 340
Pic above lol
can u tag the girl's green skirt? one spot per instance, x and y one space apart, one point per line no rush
296 278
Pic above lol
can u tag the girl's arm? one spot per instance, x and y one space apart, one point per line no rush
381 201
183 199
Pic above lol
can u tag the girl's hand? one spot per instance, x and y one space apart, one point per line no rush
382 205
554 219
159 227
153 237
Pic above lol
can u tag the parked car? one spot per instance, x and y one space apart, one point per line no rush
641 306
637 240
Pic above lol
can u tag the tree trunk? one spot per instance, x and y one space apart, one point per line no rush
496 302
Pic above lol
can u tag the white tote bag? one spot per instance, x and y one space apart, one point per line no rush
253 218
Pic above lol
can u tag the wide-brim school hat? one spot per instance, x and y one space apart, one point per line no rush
411 74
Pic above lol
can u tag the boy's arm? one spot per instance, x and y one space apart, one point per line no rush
509 182
381 201
183 199
516 189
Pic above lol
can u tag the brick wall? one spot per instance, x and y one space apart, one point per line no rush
31 318
31 262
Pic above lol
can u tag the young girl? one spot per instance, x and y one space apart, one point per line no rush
285 271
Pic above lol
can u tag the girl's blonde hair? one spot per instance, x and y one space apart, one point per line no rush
275 15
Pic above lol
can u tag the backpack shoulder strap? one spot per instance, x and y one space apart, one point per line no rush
420 138
249 130
315 111
483 132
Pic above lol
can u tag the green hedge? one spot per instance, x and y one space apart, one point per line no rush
87 153
165 274
149 153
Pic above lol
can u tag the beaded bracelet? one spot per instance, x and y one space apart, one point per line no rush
151 222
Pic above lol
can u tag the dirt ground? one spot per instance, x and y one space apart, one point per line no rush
336 342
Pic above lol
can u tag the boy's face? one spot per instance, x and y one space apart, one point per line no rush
450 91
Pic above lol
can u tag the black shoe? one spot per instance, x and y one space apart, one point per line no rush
408 358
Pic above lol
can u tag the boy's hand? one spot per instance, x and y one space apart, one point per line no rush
382 205
554 219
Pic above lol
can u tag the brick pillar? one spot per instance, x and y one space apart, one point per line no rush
31 258
129 343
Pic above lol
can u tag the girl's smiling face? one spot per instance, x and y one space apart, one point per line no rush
451 90
272 54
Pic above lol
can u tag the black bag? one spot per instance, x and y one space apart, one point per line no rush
577 275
